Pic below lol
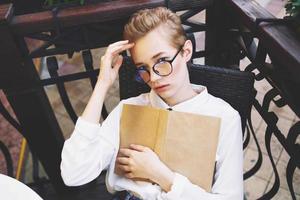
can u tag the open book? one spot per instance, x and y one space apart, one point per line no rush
185 142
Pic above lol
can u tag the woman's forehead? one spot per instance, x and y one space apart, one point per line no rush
150 45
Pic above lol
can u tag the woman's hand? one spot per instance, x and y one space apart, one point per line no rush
141 162
111 62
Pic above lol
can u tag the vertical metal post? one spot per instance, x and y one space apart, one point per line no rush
21 84
220 44
211 35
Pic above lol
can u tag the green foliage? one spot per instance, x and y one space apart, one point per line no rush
58 2
293 8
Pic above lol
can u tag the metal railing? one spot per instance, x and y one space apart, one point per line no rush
230 29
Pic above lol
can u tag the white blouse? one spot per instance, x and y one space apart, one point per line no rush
94 147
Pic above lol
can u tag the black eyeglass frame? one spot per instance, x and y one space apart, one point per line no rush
143 68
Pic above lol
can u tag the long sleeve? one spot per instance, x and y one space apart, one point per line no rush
90 149
228 184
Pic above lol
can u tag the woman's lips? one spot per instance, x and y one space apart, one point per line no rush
161 88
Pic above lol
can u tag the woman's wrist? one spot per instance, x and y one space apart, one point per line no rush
92 111
102 84
164 178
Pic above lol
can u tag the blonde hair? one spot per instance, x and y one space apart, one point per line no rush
146 20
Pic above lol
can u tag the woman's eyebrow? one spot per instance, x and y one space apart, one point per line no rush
157 55
153 57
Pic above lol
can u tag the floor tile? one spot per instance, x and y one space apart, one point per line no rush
282 194
282 124
254 187
66 124
250 160
281 167
276 147
284 112
256 119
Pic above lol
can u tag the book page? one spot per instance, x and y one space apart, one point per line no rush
185 142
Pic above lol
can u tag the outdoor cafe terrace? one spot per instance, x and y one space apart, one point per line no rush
50 61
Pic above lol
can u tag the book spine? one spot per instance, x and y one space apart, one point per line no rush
159 148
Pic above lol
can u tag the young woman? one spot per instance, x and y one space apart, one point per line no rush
160 51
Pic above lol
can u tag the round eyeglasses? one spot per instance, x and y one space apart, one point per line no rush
162 68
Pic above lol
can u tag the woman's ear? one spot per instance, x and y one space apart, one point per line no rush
187 50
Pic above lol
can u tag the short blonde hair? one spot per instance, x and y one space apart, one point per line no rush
146 20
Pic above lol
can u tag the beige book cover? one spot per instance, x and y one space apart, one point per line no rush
185 142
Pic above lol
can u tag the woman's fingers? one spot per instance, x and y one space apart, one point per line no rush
129 175
124 168
117 62
112 58
138 147
112 51
119 43
125 152
111 61
123 160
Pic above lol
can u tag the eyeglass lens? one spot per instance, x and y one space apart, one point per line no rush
162 68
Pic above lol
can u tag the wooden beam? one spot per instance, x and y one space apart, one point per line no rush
281 41
91 13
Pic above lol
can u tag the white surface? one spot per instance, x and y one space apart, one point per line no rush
263 3
12 189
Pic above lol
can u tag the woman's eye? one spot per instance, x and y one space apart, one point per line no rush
162 59
142 67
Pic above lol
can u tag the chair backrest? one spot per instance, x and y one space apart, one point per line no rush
233 86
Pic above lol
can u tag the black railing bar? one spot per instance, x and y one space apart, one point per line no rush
259 161
195 29
52 65
56 51
199 54
290 171
46 38
190 13
195 24
274 20
8 159
247 139
40 36
9 118
277 133
276 184
69 77
49 43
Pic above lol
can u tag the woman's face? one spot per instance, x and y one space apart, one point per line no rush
149 49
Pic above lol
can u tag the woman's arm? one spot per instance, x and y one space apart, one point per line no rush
109 67
90 148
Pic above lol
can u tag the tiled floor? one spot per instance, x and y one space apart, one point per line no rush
255 186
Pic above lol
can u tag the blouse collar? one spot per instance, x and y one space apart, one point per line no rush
200 98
